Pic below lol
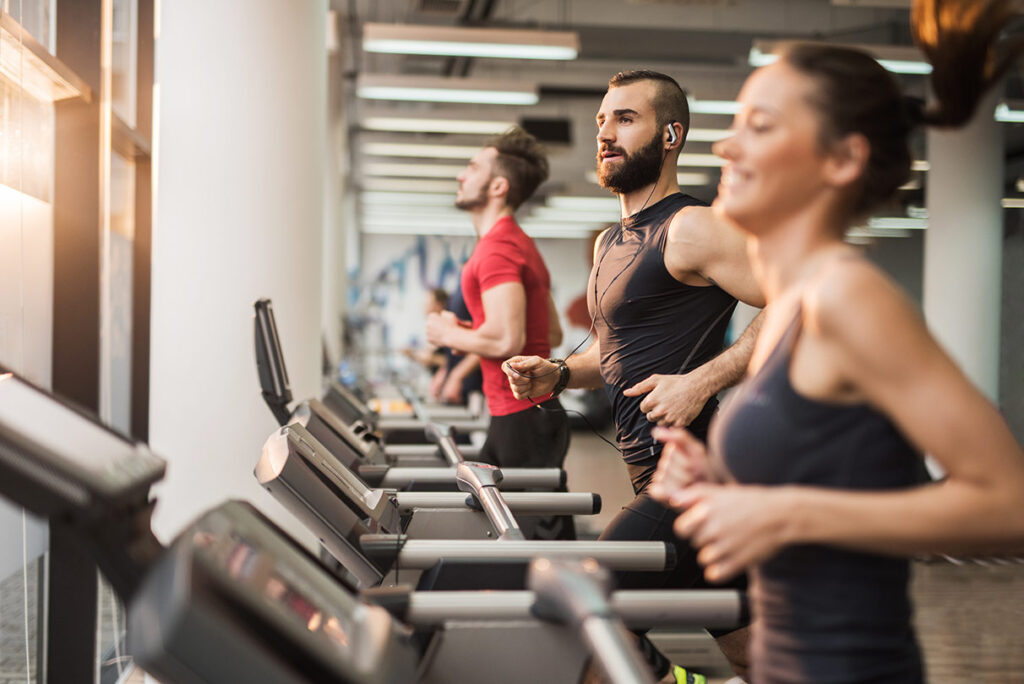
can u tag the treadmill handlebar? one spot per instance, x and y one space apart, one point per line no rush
520 503
637 608
481 481
444 436
391 477
613 651
422 554
575 593
472 476
569 591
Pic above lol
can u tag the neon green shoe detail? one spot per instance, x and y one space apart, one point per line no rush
684 676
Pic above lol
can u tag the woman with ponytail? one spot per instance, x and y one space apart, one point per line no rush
812 475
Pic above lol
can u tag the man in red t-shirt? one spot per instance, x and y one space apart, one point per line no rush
508 293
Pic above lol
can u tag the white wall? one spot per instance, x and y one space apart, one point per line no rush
239 211
393 292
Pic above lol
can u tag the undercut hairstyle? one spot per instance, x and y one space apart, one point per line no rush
669 99
964 41
522 161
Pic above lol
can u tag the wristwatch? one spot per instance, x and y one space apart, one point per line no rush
563 377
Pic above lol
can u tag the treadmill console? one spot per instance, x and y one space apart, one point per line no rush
277 391
350 407
235 600
59 462
353 444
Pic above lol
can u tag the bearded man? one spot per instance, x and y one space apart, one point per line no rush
664 284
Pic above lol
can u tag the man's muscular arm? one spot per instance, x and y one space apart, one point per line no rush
703 249
676 400
502 333
532 376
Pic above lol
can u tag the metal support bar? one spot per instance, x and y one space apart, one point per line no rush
421 554
683 608
522 503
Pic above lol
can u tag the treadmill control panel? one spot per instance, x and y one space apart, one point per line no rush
54 458
235 585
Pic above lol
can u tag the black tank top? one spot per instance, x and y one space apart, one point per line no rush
821 614
648 322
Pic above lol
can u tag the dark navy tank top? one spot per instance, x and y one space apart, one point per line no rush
821 614
648 322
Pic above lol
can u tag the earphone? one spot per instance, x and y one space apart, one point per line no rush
672 135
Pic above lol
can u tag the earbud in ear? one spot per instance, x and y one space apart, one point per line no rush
672 135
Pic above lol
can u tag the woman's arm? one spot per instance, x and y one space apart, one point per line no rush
883 349
882 353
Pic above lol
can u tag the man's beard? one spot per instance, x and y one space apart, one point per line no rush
470 203
636 171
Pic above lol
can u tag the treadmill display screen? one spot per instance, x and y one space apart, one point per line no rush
71 441
280 585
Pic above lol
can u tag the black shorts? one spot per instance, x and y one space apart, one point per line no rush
644 519
535 438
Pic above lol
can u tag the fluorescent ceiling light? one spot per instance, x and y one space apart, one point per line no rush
707 134
455 41
574 215
684 179
897 223
537 229
920 165
412 228
697 179
610 204
433 89
895 58
864 235
386 149
688 159
460 225
412 170
384 198
410 185
1007 115
411 210
401 124
713 106
30 66
1012 202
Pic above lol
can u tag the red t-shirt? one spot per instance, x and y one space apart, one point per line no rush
506 254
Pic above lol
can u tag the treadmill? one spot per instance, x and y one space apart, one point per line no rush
360 449
376 533
343 402
234 599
